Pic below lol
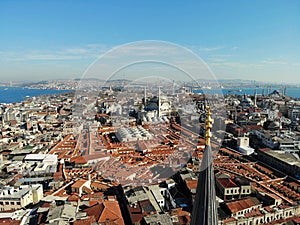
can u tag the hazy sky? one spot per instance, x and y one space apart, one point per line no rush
257 40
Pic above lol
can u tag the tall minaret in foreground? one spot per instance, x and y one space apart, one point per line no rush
204 207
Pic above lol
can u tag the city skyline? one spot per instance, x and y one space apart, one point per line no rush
51 40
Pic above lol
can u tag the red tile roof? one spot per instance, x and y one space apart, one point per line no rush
108 211
87 190
79 183
229 220
94 196
9 221
79 160
90 220
191 184
99 186
242 204
226 182
297 220
95 211
73 198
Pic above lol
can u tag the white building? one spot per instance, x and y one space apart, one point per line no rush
45 158
15 198
133 134
294 111
243 145
17 166
45 162
157 193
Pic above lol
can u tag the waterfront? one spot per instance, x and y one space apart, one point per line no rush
292 92
17 94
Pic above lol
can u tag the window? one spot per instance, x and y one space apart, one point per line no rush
18 203
6 203
12 203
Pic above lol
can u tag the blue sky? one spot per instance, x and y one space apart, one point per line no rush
257 40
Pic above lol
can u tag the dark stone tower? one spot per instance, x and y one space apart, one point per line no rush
204 208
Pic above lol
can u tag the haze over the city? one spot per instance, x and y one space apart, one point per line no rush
253 40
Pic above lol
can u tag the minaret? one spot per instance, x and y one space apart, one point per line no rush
158 103
235 115
173 88
145 96
204 207
255 98
269 91
208 126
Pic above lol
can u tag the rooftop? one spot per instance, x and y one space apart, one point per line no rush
239 205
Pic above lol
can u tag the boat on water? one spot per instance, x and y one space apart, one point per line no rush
206 87
235 90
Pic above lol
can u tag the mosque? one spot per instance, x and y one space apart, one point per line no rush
155 109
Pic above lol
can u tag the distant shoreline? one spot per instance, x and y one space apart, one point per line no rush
10 95
291 92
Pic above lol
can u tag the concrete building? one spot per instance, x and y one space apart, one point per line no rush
233 188
157 193
15 198
284 161
157 219
294 112
238 208
243 146
133 134
17 167
48 159
45 163
63 214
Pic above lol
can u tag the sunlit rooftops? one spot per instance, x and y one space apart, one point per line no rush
290 158
133 134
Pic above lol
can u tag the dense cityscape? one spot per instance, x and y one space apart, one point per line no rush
100 156
149 112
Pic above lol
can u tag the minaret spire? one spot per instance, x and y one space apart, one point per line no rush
204 207
208 126
255 98
159 103
145 96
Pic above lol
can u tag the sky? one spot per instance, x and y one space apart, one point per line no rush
250 39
